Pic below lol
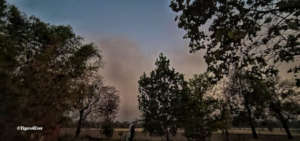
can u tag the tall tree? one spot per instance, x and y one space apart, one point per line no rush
39 62
160 97
248 96
199 114
249 32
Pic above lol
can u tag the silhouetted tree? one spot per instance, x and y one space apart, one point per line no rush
249 32
108 108
88 92
109 103
248 97
251 35
38 64
107 128
160 97
200 116
94 100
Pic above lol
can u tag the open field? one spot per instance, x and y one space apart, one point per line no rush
235 135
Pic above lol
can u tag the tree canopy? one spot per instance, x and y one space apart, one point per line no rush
256 34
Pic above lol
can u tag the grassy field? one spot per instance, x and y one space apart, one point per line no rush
93 134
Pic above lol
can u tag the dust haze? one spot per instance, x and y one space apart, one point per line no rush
125 61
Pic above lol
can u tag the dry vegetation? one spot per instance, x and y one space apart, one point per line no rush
243 134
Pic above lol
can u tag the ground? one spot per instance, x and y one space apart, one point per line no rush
93 134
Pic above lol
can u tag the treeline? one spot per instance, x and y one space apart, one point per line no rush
268 124
244 42
48 76
93 124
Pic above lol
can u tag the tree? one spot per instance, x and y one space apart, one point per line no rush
39 63
283 104
255 35
248 96
250 33
225 107
107 128
108 108
200 112
9 53
160 97
88 93
109 103
94 99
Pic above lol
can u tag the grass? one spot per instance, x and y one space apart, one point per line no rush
88 138
235 135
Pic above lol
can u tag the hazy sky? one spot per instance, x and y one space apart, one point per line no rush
130 33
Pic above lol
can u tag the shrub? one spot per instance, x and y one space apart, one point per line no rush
107 129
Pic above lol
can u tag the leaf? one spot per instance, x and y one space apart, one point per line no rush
268 20
293 25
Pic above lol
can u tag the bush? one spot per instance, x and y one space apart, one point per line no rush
72 138
107 129
67 138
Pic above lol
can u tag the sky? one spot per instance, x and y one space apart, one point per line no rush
130 35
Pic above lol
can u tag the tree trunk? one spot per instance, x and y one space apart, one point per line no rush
282 119
78 129
285 125
254 134
226 135
167 135
287 130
